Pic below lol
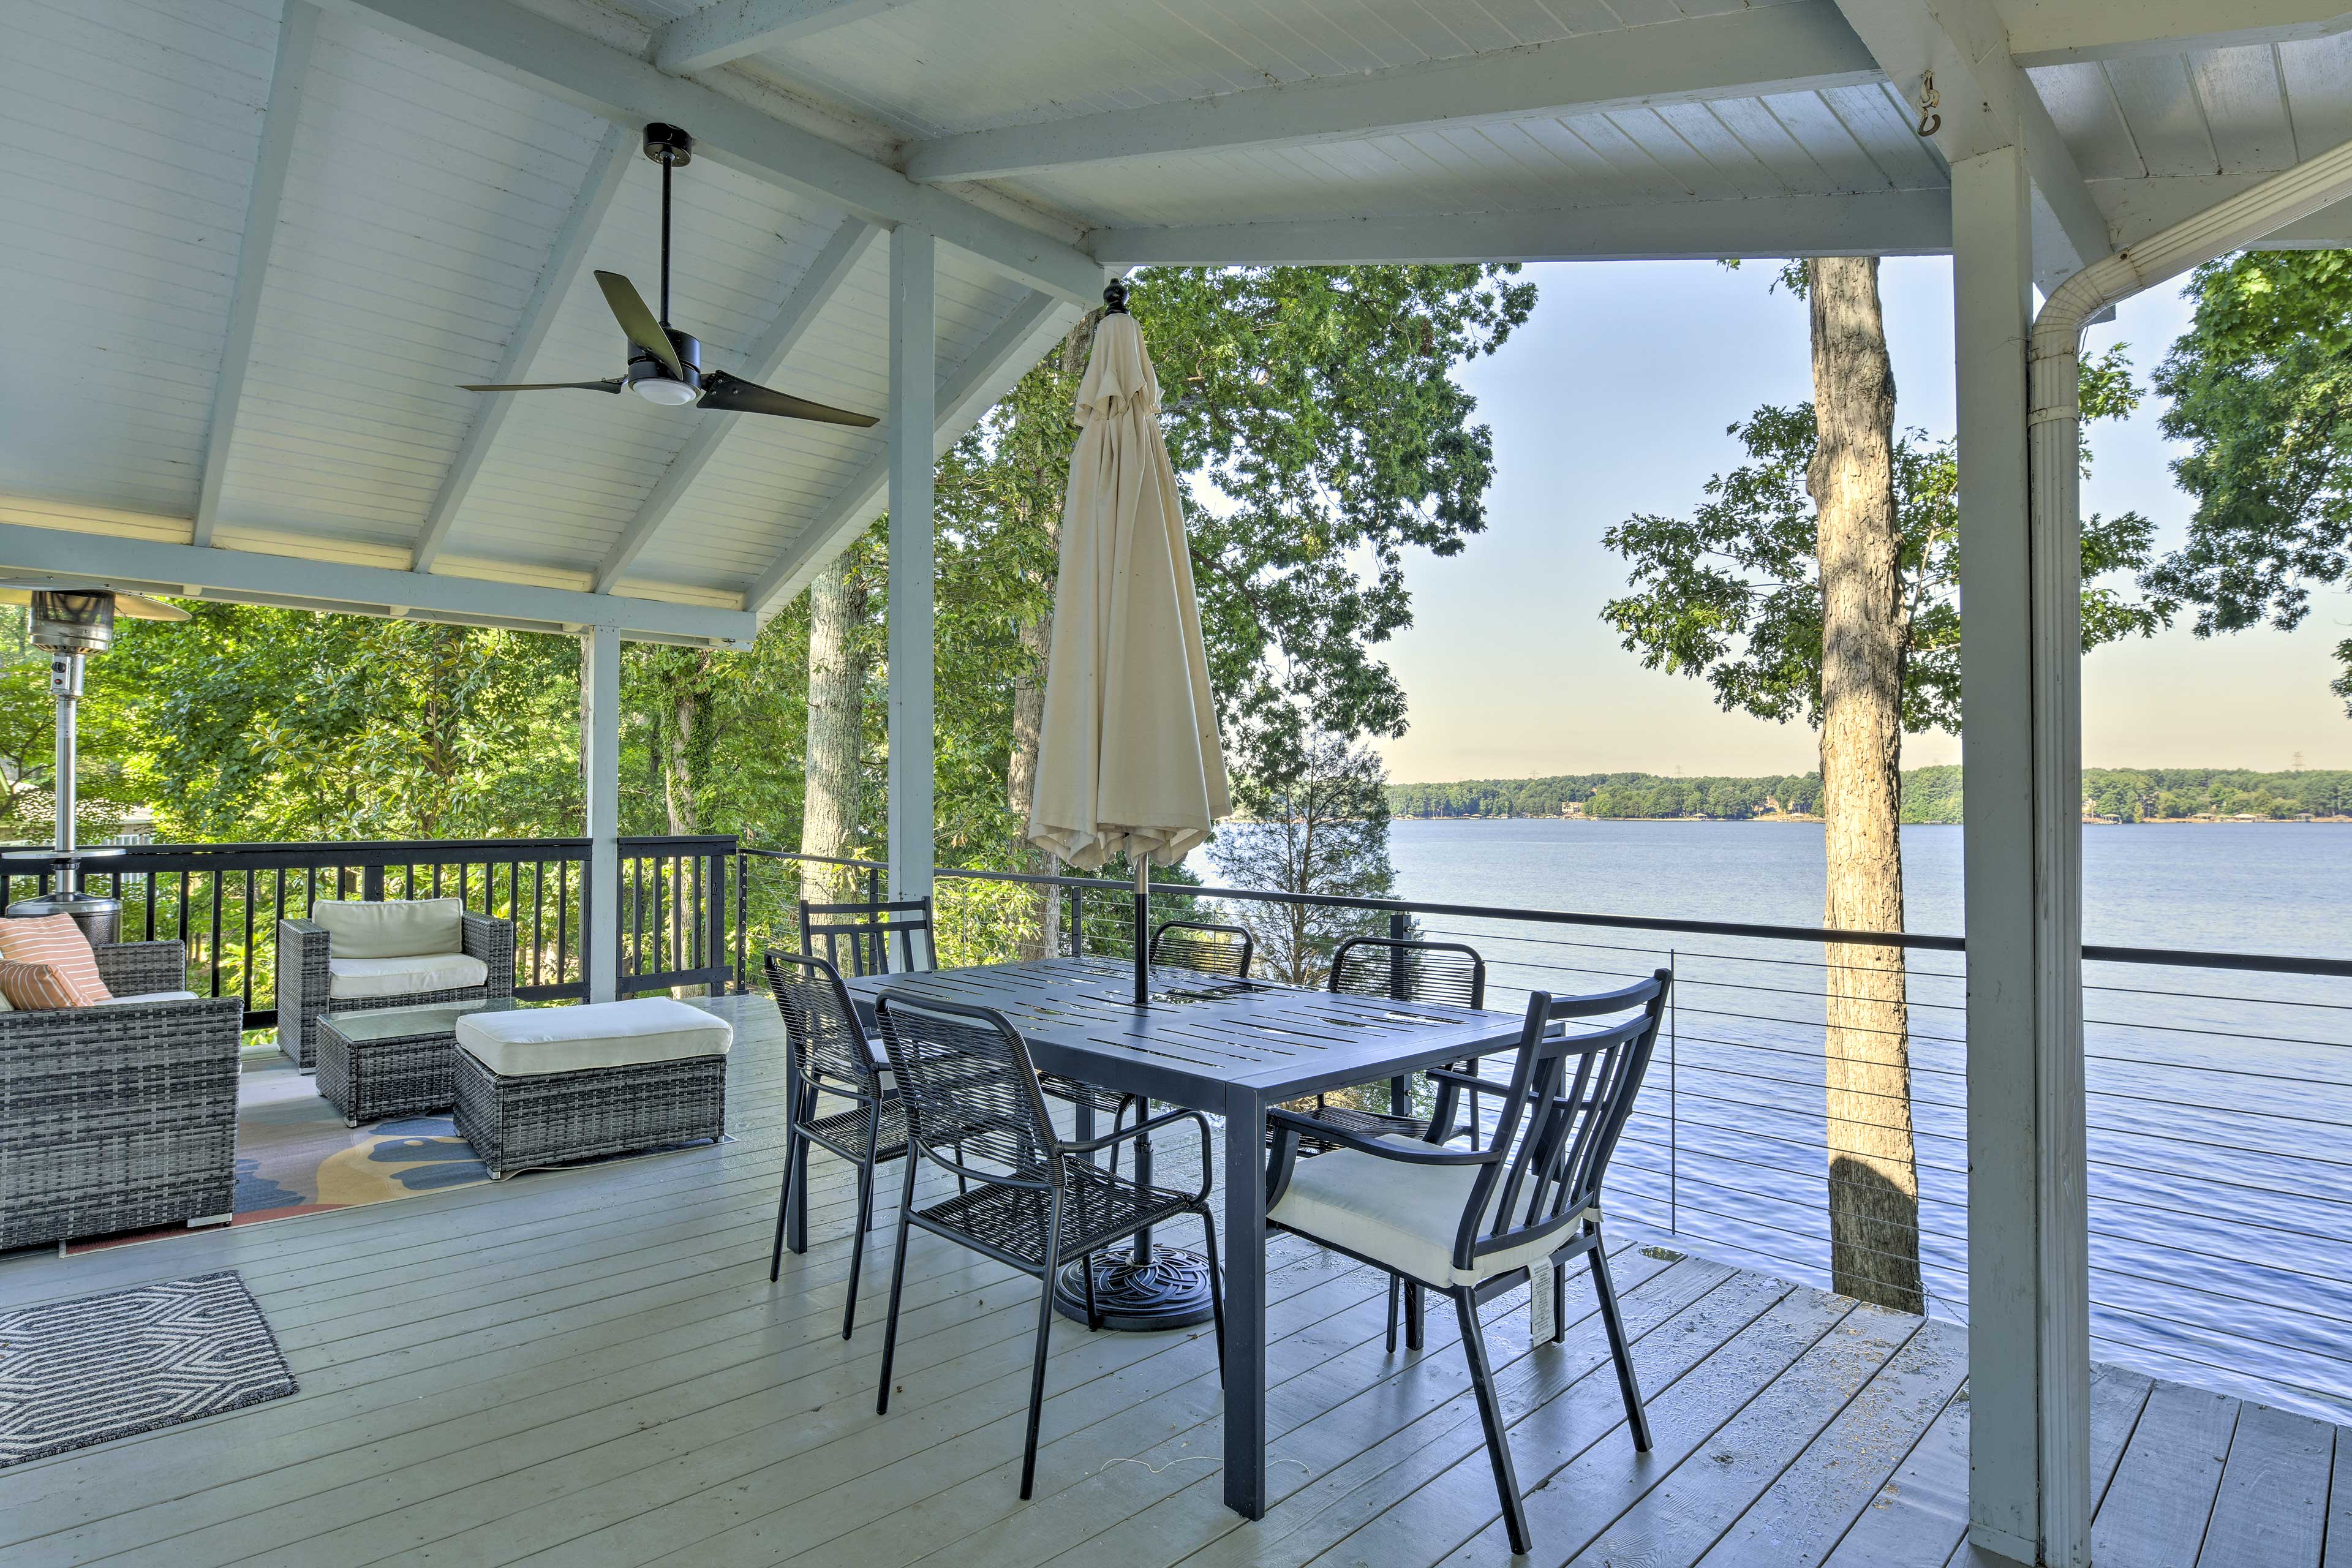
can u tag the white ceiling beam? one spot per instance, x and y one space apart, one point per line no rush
180 569
605 167
1986 102
1003 357
729 30
1738 54
2065 32
517 44
763 362
1891 223
295 33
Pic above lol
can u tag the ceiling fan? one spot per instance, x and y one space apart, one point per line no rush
665 364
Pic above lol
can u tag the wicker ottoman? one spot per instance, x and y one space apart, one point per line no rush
546 1086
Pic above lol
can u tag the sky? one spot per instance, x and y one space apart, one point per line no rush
1614 398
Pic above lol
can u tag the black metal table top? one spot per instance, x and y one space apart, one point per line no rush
1203 1033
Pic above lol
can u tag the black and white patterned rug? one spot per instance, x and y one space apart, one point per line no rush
76 1373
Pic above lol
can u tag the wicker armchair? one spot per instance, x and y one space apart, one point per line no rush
118 1117
304 985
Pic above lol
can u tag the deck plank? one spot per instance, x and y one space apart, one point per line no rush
1678 1520
1800 1519
1921 1515
2155 1512
1577 1503
2271 1510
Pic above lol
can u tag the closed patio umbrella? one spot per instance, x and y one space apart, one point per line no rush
1128 757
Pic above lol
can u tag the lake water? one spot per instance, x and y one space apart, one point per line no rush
2220 1101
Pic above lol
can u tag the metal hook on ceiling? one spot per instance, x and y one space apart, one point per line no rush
1929 121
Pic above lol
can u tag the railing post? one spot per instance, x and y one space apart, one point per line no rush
1077 922
716 892
1674 1096
371 884
742 915
1400 1087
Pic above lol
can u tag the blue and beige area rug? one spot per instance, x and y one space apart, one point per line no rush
90 1371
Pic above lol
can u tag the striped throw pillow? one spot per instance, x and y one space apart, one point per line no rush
57 941
36 987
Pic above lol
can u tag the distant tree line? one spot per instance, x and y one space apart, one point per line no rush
1929 796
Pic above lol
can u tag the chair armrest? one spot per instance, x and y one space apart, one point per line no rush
1208 1150
492 940
1404 1154
135 968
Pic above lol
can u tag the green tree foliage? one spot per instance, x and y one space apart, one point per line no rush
1731 595
1323 829
1930 794
2260 386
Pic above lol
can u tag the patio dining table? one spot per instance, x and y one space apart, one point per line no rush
1232 1049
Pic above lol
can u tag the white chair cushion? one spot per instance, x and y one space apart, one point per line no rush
535 1041
392 928
146 997
357 979
1399 1214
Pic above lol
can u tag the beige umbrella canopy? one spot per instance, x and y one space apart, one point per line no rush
1128 757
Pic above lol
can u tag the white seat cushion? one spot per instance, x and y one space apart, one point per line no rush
147 996
356 979
1399 1214
535 1041
391 928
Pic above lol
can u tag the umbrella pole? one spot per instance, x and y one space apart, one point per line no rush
1143 929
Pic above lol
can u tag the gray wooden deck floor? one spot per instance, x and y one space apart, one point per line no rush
591 1368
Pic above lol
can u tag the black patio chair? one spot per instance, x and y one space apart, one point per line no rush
1474 1223
832 1058
1034 1202
1408 971
880 938
1210 949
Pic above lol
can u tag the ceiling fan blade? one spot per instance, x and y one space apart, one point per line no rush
614 386
637 322
733 395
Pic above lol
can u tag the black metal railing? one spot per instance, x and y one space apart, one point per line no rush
2218 1095
222 902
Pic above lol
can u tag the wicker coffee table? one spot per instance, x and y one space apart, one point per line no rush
395 1061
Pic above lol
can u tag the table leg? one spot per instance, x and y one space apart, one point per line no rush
796 1224
1245 1247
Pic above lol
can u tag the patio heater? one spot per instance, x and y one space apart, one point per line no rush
71 623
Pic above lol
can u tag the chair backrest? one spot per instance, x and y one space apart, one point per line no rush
1410 971
1562 1113
1210 949
969 1089
871 939
829 1048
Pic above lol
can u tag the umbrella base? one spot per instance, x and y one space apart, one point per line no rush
1171 1291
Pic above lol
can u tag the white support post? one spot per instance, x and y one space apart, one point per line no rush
2028 1350
914 384
600 767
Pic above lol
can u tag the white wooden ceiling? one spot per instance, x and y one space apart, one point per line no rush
416 191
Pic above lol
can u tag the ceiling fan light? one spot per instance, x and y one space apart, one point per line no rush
662 390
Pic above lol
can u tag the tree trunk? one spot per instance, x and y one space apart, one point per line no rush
1873 1179
1040 937
686 702
839 663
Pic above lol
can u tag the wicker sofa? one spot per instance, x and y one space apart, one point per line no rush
307 985
122 1116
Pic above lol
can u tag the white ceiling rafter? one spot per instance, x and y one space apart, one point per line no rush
1987 102
1006 353
517 44
606 168
763 362
2063 32
1791 48
296 32
1882 222
179 569
729 30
